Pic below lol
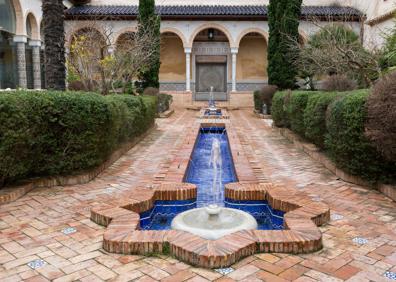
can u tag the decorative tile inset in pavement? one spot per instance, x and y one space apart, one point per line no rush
360 240
224 271
390 275
69 230
37 263
336 216
29 227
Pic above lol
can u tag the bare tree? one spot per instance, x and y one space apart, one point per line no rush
94 58
336 49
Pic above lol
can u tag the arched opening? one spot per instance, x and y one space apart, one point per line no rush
252 61
125 40
87 49
8 71
211 64
32 33
172 73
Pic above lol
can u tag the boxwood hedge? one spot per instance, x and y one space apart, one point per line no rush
57 133
279 109
315 116
295 110
335 122
347 144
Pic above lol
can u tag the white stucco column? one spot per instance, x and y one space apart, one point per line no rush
234 52
187 51
21 41
67 57
36 48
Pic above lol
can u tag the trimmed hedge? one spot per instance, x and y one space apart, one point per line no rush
295 110
335 122
58 133
315 116
279 108
346 142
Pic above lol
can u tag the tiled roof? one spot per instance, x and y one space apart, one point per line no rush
198 10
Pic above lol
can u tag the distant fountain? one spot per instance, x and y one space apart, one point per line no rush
212 110
211 100
213 221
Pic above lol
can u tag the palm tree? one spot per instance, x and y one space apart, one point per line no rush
54 40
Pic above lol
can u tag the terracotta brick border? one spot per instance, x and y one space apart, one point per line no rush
121 216
301 219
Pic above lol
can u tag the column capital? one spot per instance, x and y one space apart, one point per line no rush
187 50
35 43
234 50
20 39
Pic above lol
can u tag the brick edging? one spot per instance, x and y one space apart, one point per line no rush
301 234
121 216
12 193
314 152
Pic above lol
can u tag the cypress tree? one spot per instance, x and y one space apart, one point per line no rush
148 20
283 21
54 39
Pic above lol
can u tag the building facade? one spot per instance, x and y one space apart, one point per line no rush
223 46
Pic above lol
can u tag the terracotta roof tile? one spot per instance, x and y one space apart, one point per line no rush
202 10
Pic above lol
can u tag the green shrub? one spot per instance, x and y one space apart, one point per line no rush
164 102
347 143
295 110
279 109
315 116
57 133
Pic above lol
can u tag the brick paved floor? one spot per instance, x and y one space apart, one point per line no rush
30 228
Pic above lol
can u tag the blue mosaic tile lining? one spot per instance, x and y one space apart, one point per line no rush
390 275
200 173
267 218
161 215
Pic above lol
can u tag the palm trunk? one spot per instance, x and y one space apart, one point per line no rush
54 39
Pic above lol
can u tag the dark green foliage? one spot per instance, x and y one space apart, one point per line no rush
336 122
346 142
295 110
283 21
164 102
315 116
329 33
148 20
54 39
279 109
57 133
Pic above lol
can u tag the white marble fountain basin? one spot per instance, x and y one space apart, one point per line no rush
213 222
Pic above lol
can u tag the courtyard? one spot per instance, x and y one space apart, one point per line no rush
53 224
